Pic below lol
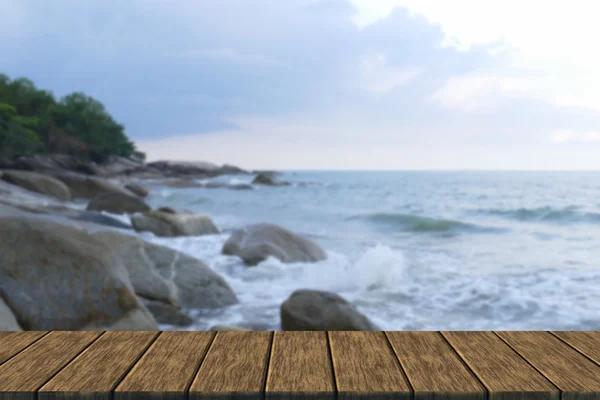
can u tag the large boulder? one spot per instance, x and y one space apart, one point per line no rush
87 187
255 243
57 277
39 183
8 320
315 310
118 203
167 314
169 276
166 224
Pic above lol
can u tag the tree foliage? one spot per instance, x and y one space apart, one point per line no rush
32 121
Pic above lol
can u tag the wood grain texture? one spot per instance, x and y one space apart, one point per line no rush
587 342
433 368
365 365
166 370
574 374
503 372
23 374
12 343
235 366
96 371
300 366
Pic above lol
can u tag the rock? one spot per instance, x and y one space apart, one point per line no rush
56 277
233 186
101 219
8 320
53 162
87 187
167 314
255 243
315 310
38 183
137 189
166 275
181 183
223 327
178 168
268 179
117 203
167 210
227 169
171 225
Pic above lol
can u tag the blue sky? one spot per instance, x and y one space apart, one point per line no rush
326 84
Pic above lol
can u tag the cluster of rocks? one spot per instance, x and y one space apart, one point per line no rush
61 269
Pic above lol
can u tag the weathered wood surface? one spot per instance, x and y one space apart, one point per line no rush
454 365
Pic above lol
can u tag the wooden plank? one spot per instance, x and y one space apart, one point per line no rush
366 367
503 372
300 366
235 365
574 374
23 374
587 342
168 367
433 368
96 371
12 343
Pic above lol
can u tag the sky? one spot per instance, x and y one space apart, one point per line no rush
327 84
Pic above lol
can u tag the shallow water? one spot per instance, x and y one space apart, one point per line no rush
416 250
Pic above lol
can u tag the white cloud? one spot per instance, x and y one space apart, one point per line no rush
561 137
232 56
379 77
474 92
555 38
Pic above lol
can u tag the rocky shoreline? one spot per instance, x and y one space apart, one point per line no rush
63 268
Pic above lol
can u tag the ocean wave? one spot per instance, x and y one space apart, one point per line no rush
570 214
421 224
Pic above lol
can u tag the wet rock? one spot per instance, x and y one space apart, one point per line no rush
71 280
172 225
117 203
255 243
315 310
39 183
87 187
166 275
137 189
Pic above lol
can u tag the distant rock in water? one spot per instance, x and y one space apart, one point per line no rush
118 203
268 179
56 277
39 183
194 168
255 243
315 310
166 224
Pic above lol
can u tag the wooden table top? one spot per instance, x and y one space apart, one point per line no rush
280 365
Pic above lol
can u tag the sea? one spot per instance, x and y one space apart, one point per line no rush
413 250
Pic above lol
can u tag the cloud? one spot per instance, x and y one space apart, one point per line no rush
561 137
199 78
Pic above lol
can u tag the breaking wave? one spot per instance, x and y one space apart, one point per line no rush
570 214
421 224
